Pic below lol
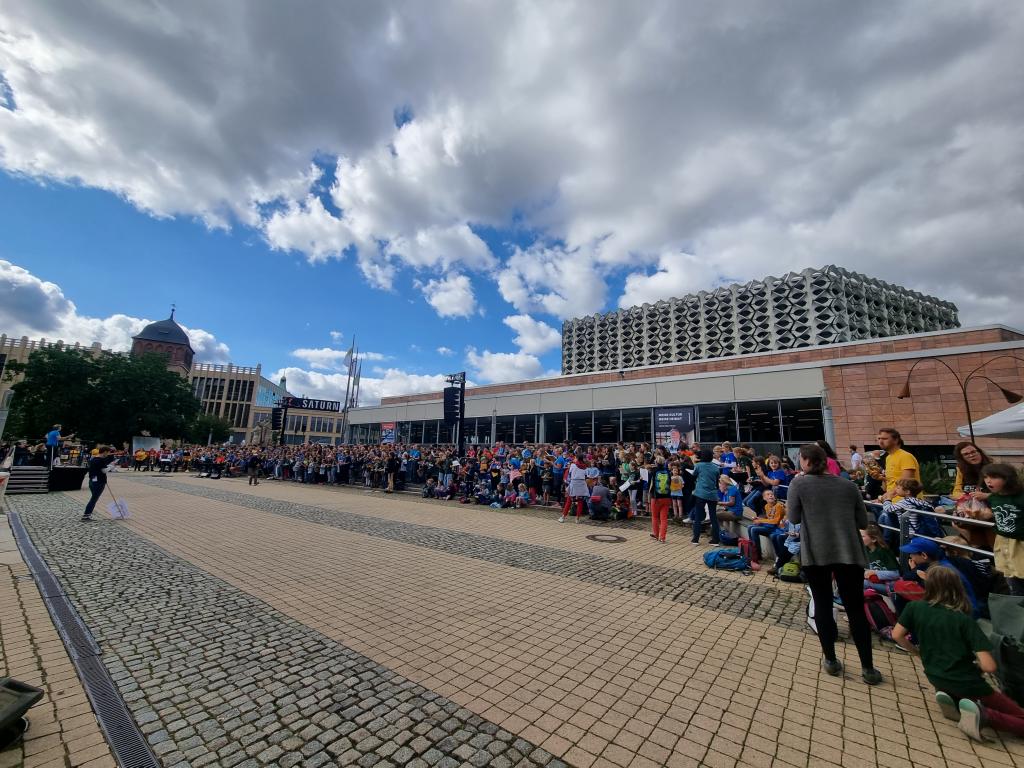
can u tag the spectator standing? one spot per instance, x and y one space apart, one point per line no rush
705 495
831 514
899 463
855 458
661 499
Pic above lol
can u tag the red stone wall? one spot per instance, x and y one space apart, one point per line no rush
864 397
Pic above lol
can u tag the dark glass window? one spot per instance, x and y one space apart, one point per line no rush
802 421
445 433
554 427
636 425
759 421
429 432
717 423
526 429
581 427
606 427
505 429
415 431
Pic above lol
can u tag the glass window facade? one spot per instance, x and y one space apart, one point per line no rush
505 429
716 422
801 420
581 427
636 425
606 426
554 427
767 425
526 429
759 421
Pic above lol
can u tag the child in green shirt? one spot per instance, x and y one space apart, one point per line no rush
955 653
1006 500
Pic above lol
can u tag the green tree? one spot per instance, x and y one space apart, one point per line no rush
207 426
103 398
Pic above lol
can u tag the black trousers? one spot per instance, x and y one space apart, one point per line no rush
850 582
96 489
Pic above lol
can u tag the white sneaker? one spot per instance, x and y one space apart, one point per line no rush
561 519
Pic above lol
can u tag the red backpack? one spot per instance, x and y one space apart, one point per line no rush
748 549
880 615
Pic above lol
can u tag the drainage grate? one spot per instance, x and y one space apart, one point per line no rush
123 735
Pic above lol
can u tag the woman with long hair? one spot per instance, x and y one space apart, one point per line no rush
970 461
831 515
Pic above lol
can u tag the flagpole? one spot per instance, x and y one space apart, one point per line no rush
348 383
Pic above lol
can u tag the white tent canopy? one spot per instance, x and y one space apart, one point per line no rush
1008 423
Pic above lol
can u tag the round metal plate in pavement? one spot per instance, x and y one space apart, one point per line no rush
606 538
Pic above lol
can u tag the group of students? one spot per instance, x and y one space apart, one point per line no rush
844 551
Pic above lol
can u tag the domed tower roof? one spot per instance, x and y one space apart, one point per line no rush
166 331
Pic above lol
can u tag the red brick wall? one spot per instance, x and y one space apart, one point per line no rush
826 353
864 397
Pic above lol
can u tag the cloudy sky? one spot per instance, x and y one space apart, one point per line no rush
448 182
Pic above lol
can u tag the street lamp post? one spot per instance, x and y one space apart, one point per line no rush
1011 396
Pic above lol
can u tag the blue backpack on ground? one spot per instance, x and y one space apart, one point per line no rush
726 559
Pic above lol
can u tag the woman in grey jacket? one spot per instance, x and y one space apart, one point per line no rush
831 513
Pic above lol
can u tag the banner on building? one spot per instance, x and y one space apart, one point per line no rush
307 404
675 426
387 432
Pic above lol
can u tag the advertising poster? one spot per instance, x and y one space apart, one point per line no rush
387 432
675 426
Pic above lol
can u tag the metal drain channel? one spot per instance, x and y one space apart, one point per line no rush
123 735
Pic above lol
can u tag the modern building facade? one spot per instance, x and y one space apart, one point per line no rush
802 309
776 401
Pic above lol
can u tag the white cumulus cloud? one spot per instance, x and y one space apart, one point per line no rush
38 308
760 138
331 386
491 367
533 336
451 296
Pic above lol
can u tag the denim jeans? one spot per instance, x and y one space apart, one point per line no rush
700 506
755 532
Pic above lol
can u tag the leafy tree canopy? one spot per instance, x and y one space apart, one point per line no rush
101 398
207 426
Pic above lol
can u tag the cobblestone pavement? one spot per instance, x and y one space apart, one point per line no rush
63 730
216 677
784 607
593 673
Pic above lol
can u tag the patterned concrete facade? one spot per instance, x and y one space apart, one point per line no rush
301 625
801 309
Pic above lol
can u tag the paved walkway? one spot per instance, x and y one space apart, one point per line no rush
63 730
289 624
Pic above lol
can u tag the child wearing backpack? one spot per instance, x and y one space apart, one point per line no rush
902 502
955 653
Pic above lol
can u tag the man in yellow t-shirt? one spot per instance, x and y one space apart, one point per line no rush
899 464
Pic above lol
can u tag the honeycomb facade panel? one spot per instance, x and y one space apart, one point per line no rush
829 305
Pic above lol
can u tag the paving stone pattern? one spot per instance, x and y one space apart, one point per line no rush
783 607
214 676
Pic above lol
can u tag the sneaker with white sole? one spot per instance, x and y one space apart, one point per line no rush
561 519
950 711
970 719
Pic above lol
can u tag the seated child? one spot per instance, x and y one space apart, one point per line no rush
523 498
883 567
955 652
730 504
483 492
430 489
769 522
786 543
508 496
902 502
